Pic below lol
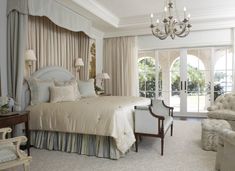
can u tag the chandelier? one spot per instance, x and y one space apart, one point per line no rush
170 25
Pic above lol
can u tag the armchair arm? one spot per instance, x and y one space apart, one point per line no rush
16 141
171 109
227 135
155 115
3 132
212 108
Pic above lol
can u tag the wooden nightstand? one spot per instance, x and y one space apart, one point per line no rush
14 119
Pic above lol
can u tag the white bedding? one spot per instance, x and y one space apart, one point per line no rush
104 116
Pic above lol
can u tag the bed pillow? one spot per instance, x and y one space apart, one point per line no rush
62 94
40 90
87 88
72 82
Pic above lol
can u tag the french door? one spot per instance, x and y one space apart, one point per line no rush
192 78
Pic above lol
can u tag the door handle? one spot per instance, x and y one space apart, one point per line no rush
181 85
185 84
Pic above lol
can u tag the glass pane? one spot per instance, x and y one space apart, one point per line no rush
220 59
150 94
192 102
175 81
146 76
142 81
175 100
229 59
196 82
142 94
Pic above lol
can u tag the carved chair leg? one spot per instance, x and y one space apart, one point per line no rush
136 143
162 145
171 129
26 166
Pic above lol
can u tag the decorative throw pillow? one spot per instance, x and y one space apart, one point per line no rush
40 90
86 88
62 94
72 82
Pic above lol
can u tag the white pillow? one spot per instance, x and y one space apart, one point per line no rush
71 82
40 90
62 94
86 88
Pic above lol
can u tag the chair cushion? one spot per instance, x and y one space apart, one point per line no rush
7 153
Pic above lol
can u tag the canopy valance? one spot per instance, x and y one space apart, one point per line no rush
54 10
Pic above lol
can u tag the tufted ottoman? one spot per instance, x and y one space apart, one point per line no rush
209 133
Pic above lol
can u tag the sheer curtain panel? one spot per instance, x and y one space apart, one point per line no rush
120 61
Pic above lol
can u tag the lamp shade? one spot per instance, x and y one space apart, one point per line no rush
102 76
78 62
30 55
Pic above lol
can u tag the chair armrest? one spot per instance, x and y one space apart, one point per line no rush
171 109
141 107
212 108
4 131
16 141
155 115
227 135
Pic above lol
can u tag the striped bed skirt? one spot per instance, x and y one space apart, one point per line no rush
91 145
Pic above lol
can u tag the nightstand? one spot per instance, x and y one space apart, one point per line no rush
14 119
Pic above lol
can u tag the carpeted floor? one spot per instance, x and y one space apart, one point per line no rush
182 153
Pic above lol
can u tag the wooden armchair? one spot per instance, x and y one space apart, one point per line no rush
10 153
153 120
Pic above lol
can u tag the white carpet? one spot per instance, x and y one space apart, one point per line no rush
182 153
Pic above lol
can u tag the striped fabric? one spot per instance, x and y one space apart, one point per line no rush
91 145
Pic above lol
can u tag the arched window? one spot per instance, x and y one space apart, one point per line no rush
147 76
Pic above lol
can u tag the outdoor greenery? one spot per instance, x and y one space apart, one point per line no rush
147 77
196 80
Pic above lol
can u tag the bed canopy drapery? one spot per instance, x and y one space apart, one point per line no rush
18 12
55 11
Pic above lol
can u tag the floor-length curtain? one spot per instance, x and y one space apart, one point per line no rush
120 61
56 46
16 45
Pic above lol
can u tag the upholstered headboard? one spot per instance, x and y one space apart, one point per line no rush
47 73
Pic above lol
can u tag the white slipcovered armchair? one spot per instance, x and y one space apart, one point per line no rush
153 120
225 157
224 108
10 153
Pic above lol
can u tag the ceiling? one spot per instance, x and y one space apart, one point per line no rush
131 17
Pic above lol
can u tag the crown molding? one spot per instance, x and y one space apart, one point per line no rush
95 8
95 33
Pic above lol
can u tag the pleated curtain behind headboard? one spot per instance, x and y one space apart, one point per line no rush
56 46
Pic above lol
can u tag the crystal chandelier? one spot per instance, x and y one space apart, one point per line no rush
170 25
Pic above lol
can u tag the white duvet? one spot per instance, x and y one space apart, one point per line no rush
104 116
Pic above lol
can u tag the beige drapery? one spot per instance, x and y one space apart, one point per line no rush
56 46
120 61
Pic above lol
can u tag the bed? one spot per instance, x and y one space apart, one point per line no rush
99 126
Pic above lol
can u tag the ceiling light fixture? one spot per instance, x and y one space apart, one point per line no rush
170 25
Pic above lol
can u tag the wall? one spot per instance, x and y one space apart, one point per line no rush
194 39
3 45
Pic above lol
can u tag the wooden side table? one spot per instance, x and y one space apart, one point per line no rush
14 119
